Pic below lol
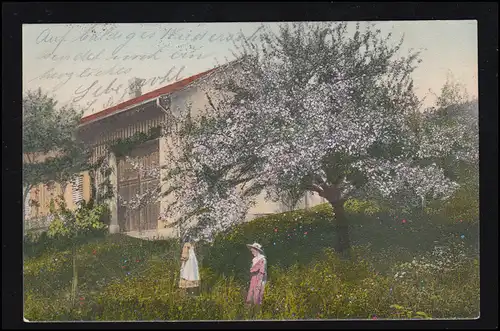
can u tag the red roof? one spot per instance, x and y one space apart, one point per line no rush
151 95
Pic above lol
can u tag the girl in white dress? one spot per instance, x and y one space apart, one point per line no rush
189 275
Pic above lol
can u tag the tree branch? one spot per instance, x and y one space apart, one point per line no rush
316 188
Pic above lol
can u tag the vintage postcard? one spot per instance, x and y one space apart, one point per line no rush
250 171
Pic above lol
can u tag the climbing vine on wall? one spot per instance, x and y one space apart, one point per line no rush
104 190
123 147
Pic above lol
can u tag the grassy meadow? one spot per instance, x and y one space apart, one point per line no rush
401 268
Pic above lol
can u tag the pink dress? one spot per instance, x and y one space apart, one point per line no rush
257 281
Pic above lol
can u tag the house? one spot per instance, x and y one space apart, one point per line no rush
40 196
146 113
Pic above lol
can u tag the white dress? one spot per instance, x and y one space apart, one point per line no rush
190 275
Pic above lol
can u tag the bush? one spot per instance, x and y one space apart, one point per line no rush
68 227
444 284
362 207
101 262
462 206
85 221
287 238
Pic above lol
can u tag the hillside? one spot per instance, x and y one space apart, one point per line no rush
392 273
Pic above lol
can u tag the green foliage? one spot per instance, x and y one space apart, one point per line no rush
325 288
68 227
122 147
279 234
50 129
463 206
299 236
402 312
362 207
46 127
104 190
86 220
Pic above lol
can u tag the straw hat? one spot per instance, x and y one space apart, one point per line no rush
256 246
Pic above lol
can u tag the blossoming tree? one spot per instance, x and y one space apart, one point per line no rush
450 137
310 109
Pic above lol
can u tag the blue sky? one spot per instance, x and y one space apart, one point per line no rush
93 74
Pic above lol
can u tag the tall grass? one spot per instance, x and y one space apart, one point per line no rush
400 273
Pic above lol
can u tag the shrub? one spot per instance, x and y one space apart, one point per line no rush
462 206
444 282
85 221
67 228
287 238
363 207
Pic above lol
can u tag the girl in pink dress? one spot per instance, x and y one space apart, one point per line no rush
258 272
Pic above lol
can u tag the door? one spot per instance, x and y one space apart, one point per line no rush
132 182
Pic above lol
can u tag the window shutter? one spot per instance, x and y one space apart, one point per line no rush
77 189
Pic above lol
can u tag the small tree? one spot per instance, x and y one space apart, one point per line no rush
450 133
51 152
74 226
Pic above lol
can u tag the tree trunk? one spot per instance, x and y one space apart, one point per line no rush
342 245
63 190
74 283
333 194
